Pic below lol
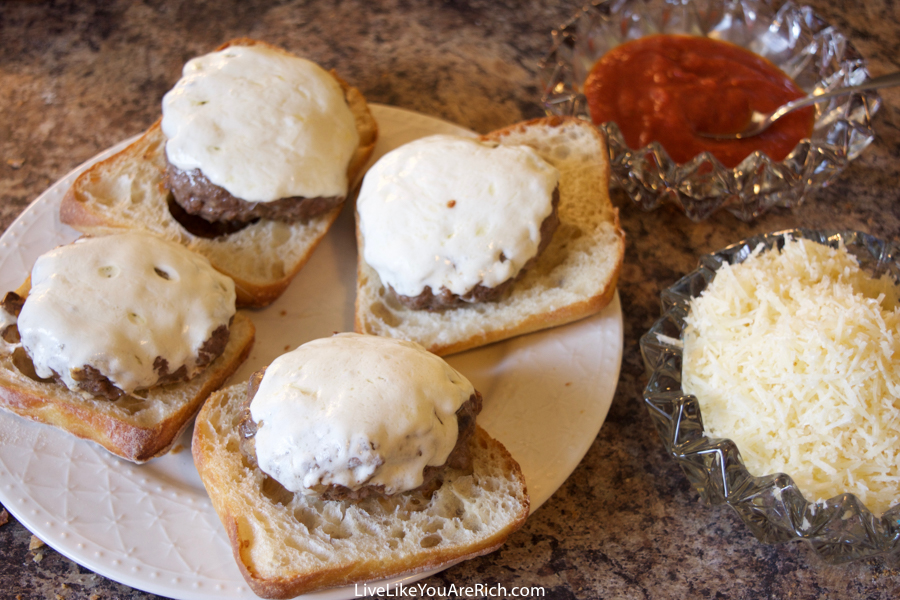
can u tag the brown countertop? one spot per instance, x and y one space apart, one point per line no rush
78 77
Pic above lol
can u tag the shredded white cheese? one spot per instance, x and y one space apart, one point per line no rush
792 356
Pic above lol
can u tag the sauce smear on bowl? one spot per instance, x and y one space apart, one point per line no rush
667 88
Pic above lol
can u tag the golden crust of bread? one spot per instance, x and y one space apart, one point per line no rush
573 278
134 428
126 191
286 544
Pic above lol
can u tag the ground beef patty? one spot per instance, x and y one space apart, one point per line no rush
445 299
459 458
97 384
91 379
198 196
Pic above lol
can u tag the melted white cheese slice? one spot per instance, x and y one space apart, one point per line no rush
356 410
262 124
453 212
116 303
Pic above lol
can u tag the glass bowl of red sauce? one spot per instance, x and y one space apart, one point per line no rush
653 74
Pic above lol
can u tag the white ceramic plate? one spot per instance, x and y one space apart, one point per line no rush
152 527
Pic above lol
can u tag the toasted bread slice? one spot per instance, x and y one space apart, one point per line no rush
137 427
574 277
288 544
126 191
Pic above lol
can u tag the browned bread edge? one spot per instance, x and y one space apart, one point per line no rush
77 212
293 584
534 322
53 404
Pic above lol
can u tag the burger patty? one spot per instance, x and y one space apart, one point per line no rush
198 196
13 303
459 458
94 382
444 298
91 379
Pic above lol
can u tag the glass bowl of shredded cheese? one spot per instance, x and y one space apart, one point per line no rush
814 54
774 383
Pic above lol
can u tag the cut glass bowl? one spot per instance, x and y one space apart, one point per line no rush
814 54
840 529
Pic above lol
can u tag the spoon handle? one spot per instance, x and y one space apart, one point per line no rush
870 84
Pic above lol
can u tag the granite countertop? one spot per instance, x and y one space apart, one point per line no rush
78 77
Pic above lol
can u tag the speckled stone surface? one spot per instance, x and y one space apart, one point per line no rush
77 77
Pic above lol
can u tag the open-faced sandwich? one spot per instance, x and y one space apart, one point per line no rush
119 339
249 165
465 241
354 458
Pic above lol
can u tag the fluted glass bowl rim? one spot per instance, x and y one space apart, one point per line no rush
703 185
840 529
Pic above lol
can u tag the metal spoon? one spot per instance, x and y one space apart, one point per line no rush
759 122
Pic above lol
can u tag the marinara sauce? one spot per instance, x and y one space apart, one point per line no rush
666 88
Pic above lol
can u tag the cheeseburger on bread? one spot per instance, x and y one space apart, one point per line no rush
249 165
119 339
450 220
464 241
255 133
354 458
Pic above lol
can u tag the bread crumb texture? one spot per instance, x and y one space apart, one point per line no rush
126 191
280 535
123 192
574 277
137 426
